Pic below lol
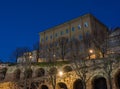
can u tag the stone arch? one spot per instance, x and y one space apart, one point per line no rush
62 85
99 82
3 73
16 74
44 87
40 72
34 85
78 84
67 69
117 79
52 71
28 73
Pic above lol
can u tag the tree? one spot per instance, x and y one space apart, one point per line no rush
62 47
18 52
79 61
107 67
36 48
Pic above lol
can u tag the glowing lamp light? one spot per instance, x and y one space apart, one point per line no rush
60 73
91 51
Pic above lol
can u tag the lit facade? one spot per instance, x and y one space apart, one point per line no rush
87 29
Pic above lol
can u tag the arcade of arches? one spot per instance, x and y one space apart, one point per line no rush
69 80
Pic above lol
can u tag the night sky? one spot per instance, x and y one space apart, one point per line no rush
22 20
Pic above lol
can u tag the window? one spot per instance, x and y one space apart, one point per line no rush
55 34
61 32
86 24
42 40
79 26
73 29
80 37
51 37
67 31
46 38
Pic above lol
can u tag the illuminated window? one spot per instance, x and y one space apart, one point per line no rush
79 26
86 24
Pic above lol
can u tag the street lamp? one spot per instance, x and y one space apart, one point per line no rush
91 51
60 73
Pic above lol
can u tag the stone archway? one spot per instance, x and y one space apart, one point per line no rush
40 72
3 73
28 73
44 87
117 79
34 85
62 85
17 74
78 84
67 69
99 83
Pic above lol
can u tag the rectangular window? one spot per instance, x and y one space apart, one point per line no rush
80 37
51 37
86 24
73 29
61 32
55 34
46 38
67 31
79 26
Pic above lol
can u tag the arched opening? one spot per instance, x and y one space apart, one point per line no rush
67 69
78 84
53 71
3 73
28 73
99 83
62 85
34 85
40 72
44 87
117 80
17 74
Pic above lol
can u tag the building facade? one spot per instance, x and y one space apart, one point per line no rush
86 29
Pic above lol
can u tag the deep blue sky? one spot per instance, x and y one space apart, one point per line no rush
22 20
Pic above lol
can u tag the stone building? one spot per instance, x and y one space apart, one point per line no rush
86 29
114 41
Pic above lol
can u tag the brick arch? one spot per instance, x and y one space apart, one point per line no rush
117 79
39 72
99 82
16 74
62 85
